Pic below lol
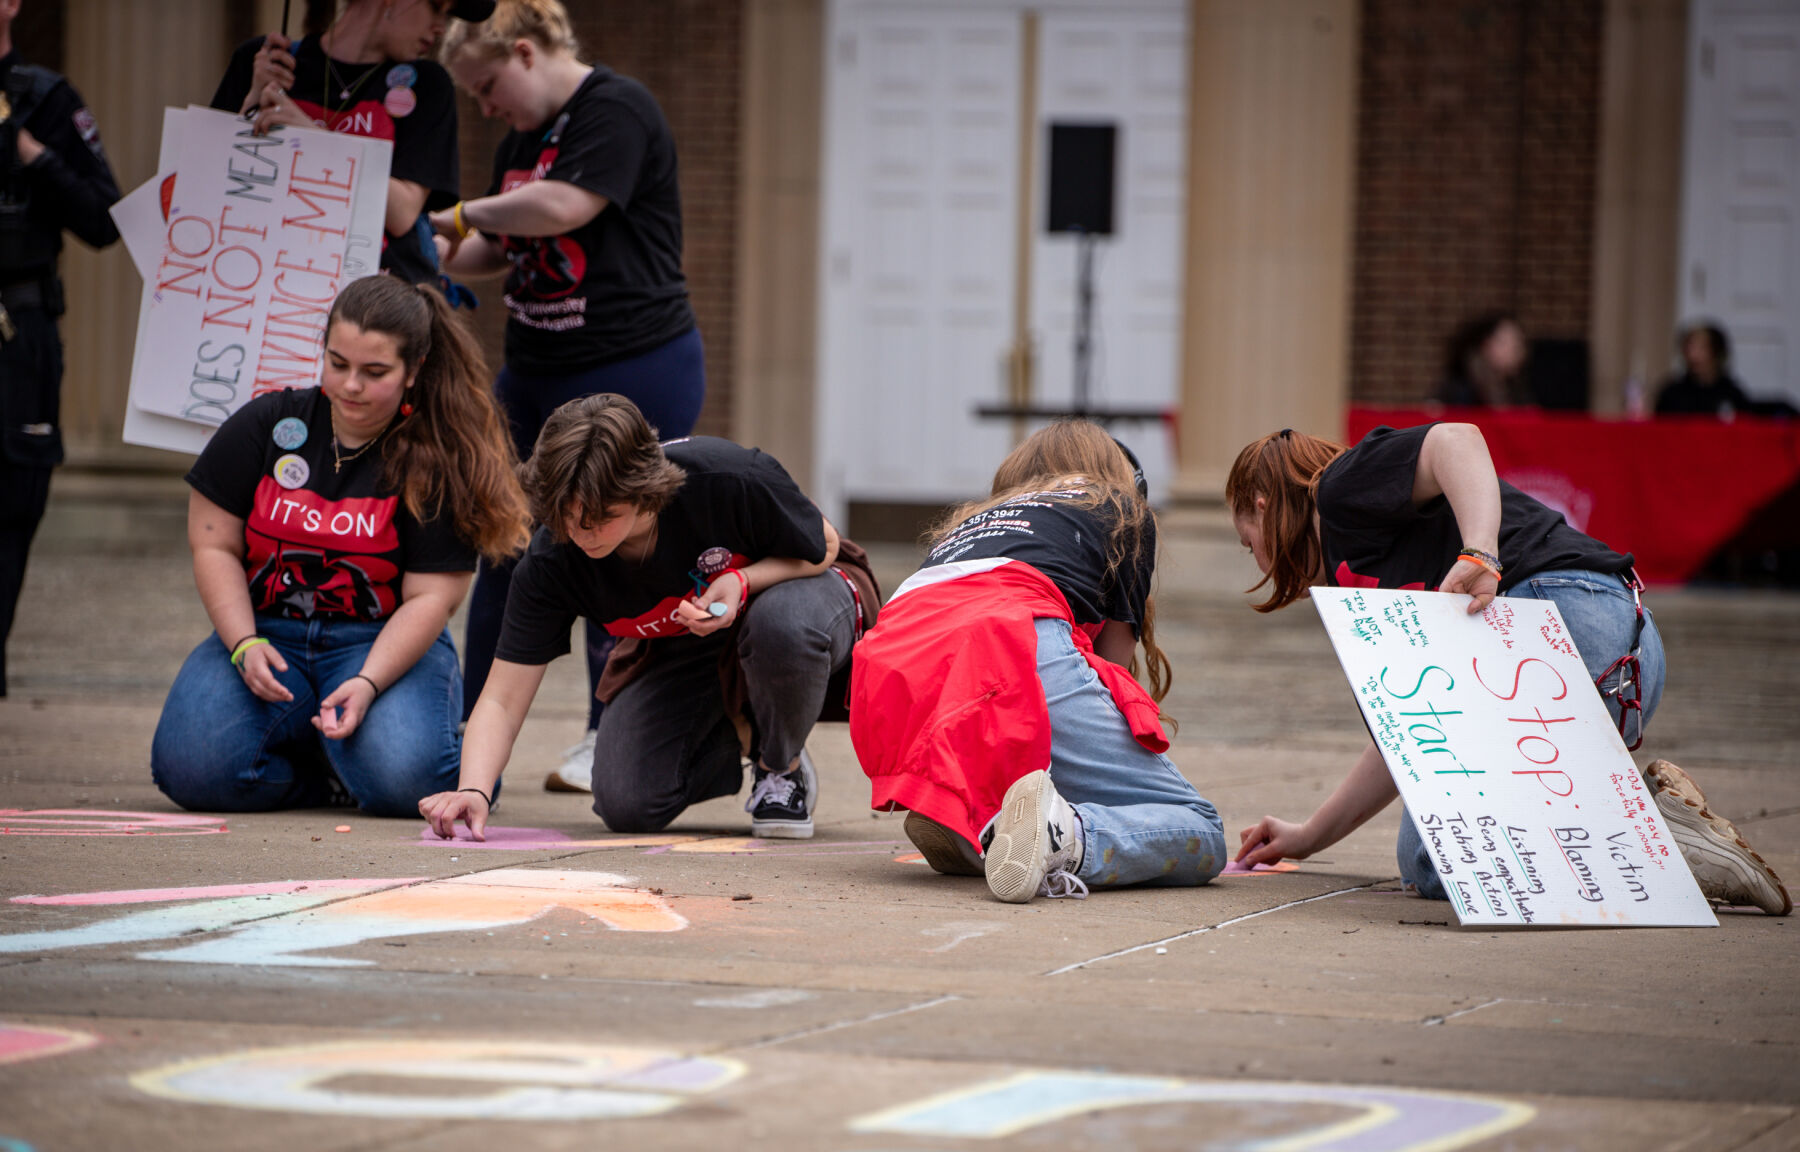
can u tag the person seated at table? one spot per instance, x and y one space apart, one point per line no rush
735 602
1423 508
1484 363
996 699
1706 385
334 530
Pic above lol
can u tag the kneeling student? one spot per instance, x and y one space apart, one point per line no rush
995 699
734 600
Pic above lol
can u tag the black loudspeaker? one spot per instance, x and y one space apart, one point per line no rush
1081 178
1557 372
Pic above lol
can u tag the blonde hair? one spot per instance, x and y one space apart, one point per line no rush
1078 456
543 22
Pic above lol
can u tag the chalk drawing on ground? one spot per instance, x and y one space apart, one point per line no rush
19 1042
494 1080
505 838
280 924
1384 1119
96 822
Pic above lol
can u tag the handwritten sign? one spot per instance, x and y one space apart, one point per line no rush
258 234
1518 782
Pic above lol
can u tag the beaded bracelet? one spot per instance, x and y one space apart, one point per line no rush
1486 559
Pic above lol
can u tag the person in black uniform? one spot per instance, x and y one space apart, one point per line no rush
53 176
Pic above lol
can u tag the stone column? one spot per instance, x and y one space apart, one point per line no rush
1637 234
129 59
1271 181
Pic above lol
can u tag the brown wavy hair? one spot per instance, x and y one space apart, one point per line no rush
1078 455
594 452
452 453
1284 469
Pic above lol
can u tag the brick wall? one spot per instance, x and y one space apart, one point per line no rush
1478 145
687 52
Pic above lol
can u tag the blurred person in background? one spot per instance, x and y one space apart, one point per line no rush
584 217
1484 363
1705 386
361 72
53 176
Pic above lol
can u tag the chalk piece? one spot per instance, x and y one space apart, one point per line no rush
342 828
1162 951
1236 868
717 609
745 896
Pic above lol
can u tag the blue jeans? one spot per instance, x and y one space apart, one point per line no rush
1601 618
220 748
1142 822
668 384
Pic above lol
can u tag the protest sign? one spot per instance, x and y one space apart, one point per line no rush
259 234
1516 778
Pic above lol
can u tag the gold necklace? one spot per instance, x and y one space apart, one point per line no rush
338 459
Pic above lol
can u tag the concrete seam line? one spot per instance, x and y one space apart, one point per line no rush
805 1032
1208 928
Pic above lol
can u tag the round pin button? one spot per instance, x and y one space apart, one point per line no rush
402 76
291 471
399 102
290 433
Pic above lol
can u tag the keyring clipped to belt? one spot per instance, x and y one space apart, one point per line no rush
1629 691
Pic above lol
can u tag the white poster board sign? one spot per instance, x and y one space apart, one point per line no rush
1517 780
259 234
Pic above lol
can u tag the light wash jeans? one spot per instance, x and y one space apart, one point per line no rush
1599 612
1142 822
220 748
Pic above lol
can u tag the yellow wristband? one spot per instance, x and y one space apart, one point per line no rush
237 654
462 222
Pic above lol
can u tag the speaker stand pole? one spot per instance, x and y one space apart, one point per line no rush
1084 316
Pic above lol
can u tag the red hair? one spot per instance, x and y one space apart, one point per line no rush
1283 469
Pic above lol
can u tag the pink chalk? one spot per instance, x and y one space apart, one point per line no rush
1236 868
517 839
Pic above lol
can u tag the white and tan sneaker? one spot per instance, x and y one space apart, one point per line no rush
1034 846
576 772
1727 869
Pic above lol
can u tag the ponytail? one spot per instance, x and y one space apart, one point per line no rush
1283 469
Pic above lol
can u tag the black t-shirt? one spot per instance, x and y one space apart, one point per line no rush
1373 536
411 104
1066 542
318 542
612 288
737 506
69 186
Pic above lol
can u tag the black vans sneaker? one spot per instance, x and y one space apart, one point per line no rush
781 803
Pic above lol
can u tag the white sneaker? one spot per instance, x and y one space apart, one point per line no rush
576 774
1727 869
1034 847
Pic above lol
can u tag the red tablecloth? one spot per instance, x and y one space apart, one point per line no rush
1670 491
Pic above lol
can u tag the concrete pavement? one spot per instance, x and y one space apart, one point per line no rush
267 981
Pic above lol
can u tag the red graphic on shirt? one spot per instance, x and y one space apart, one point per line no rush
1344 578
547 267
364 118
662 620
307 555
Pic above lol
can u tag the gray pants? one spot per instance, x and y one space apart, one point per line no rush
665 741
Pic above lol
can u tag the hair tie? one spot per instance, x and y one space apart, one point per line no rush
1287 433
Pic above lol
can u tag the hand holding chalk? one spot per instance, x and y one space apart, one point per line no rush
717 609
